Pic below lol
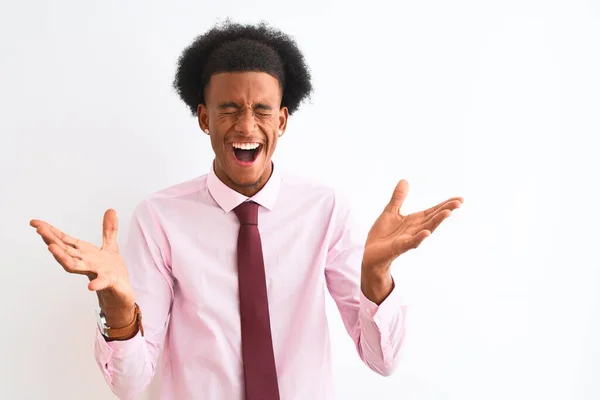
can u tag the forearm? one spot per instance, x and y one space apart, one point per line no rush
370 306
381 330
128 366
126 358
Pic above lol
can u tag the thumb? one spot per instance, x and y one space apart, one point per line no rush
398 197
110 227
100 283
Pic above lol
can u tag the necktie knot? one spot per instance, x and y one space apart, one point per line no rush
247 213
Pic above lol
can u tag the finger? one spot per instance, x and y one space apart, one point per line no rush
69 263
450 207
450 204
48 236
419 237
36 223
74 253
400 192
69 240
110 227
436 220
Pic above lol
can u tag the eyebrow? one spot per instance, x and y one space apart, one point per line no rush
231 104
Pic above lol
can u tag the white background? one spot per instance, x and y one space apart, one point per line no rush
496 101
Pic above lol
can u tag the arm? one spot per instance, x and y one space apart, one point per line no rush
129 365
376 329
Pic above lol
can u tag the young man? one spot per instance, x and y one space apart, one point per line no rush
225 274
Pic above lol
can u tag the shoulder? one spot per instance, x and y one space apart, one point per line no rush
296 182
182 189
305 189
154 201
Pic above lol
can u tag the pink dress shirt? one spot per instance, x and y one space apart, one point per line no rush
181 257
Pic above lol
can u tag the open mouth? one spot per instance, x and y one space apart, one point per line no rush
246 152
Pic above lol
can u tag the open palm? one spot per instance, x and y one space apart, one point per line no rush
394 233
103 266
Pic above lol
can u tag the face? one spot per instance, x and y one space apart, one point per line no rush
244 117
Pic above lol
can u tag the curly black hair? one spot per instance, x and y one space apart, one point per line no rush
233 47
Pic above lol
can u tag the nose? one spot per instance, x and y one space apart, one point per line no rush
246 122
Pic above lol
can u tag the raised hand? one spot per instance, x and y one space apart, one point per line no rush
103 266
394 233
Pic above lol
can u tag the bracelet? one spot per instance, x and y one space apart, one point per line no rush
128 331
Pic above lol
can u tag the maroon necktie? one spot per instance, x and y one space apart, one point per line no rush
257 347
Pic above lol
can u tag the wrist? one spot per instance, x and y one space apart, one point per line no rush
118 317
376 285
116 329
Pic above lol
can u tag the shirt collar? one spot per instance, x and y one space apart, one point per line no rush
228 199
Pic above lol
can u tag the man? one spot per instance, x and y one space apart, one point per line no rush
228 270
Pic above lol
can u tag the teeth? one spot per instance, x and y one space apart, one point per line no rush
246 146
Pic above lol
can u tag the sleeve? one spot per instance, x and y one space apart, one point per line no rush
377 331
129 366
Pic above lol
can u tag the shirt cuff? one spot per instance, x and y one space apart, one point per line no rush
386 312
107 351
117 348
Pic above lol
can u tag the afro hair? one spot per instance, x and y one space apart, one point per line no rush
233 47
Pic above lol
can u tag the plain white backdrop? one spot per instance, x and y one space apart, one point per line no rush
496 101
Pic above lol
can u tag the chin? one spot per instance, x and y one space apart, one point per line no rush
245 168
247 181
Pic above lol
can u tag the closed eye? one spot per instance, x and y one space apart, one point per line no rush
228 108
263 107
231 108
263 110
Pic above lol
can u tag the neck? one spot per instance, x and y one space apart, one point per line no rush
247 190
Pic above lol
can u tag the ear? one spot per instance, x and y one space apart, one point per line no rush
283 118
202 113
